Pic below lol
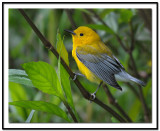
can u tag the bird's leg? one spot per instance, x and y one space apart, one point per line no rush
77 74
93 95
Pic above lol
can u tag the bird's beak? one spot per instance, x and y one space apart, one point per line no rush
70 32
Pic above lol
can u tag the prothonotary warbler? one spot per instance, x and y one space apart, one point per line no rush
96 61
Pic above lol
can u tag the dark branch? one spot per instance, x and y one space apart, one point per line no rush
86 94
146 15
70 112
134 90
121 43
132 35
113 101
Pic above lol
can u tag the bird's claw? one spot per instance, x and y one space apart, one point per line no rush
75 76
93 96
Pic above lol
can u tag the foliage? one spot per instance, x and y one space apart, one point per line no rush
40 90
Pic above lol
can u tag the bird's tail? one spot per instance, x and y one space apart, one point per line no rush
124 76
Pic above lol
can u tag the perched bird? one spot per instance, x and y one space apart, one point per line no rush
96 61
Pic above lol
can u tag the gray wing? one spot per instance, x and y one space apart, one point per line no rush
118 62
103 66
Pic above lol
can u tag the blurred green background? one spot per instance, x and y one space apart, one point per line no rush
129 24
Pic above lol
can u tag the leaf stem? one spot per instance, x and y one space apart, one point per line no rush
70 112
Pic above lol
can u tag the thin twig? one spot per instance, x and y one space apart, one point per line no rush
113 101
97 16
121 43
133 64
70 112
145 108
132 35
86 94
100 103
134 90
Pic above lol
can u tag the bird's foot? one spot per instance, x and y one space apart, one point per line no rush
75 76
93 96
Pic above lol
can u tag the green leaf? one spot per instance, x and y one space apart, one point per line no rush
63 22
51 27
135 110
17 50
16 93
147 91
89 86
64 80
42 106
77 17
111 21
19 76
142 34
85 11
104 12
61 49
52 34
147 88
125 15
101 27
44 78
114 120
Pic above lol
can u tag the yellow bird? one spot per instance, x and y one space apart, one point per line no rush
95 60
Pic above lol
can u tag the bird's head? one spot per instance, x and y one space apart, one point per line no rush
84 36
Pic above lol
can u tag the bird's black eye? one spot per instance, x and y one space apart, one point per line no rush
81 34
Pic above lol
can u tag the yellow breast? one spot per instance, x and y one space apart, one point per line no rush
84 70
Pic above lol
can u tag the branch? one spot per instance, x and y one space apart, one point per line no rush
109 110
134 90
145 108
132 35
85 94
146 15
70 112
113 101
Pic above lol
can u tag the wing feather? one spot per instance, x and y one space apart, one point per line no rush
101 65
